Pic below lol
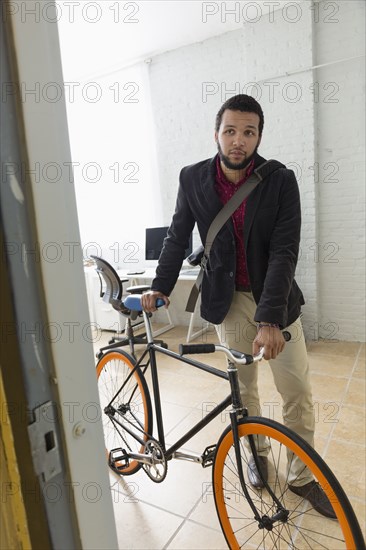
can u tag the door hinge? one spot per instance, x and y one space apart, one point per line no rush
44 441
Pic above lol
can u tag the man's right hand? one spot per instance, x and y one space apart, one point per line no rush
149 298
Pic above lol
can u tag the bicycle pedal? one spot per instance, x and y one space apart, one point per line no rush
208 456
120 456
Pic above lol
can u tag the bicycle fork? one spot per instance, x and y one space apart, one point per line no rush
264 522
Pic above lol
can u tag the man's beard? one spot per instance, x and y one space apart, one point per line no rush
230 165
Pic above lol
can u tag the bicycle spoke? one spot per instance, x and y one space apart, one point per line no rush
126 405
303 528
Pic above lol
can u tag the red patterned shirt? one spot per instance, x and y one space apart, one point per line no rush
226 190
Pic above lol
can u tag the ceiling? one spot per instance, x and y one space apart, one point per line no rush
98 37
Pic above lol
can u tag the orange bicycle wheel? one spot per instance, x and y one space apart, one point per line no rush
126 407
305 528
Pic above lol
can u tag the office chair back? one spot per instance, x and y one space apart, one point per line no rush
113 291
113 295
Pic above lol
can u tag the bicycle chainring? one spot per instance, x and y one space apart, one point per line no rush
158 469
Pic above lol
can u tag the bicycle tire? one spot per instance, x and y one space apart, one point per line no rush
132 407
305 528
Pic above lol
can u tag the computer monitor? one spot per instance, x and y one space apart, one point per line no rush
154 242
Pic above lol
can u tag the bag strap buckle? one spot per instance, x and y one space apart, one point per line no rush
204 262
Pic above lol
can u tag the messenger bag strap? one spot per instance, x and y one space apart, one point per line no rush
221 218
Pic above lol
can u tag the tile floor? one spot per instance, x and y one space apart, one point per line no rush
179 513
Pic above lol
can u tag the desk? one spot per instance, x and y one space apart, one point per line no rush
180 298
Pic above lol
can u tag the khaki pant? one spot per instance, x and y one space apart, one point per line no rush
290 372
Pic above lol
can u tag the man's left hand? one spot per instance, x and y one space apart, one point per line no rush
271 339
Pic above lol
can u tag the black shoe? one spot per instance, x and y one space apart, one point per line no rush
253 474
317 498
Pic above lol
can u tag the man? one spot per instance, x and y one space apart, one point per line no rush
249 286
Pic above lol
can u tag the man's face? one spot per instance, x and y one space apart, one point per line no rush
237 138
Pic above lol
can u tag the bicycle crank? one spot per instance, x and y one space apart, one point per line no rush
158 469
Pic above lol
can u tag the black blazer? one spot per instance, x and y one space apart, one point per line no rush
271 239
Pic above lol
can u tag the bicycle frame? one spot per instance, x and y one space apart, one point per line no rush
234 398
151 351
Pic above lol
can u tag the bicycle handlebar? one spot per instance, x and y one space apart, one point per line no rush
232 354
236 356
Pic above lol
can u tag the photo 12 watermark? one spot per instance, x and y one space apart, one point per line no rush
51 332
324 412
53 252
71 92
253 12
51 492
54 172
272 91
27 11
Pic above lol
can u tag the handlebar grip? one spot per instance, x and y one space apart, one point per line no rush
159 302
286 335
185 349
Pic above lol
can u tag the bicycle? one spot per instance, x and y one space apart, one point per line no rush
272 517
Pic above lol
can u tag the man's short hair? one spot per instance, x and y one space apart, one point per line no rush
244 103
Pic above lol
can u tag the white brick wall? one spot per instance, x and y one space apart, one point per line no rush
188 86
341 185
